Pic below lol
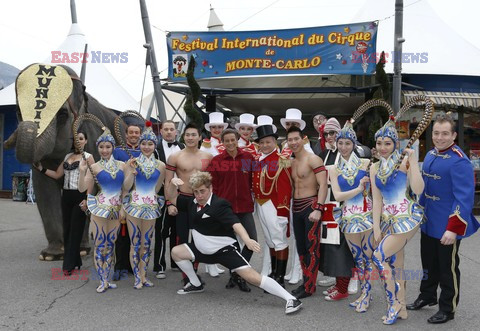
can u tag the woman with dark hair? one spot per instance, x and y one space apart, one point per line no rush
142 205
73 204
350 185
396 214
105 206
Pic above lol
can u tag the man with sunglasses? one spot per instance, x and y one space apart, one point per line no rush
336 261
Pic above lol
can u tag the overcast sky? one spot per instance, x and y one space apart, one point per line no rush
31 29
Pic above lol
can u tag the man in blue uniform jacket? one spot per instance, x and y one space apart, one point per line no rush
448 202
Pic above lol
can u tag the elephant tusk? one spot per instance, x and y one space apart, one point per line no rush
11 141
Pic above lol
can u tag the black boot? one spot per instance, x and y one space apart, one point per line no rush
273 259
232 282
242 284
280 272
281 269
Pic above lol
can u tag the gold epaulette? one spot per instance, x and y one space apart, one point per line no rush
284 161
457 151
306 140
206 143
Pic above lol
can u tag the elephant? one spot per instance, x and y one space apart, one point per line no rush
49 98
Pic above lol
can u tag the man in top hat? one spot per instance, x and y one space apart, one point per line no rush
215 126
245 128
293 117
272 189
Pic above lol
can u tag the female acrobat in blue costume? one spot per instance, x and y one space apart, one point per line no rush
396 214
349 180
142 205
104 206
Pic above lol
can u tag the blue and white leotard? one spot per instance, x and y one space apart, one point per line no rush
107 202
143 202
401 213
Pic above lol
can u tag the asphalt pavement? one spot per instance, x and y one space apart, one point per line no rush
32 297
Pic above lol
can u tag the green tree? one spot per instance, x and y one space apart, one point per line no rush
193 95
382 92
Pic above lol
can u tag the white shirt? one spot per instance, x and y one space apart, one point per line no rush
209 244
206 203
169 150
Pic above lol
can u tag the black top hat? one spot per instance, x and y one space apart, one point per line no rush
265 131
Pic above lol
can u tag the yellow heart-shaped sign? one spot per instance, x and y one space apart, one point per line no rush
41 91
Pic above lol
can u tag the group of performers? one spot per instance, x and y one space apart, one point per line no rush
348 213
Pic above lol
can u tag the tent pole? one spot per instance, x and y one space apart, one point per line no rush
153 64
397 52
83 71
73 11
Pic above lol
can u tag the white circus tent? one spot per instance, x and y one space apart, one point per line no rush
98 80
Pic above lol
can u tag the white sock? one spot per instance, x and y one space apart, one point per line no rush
187 267
274 288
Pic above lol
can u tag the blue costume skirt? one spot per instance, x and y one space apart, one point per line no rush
403 223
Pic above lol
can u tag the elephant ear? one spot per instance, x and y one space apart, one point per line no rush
41 91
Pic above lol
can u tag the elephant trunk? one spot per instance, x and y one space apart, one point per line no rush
29 147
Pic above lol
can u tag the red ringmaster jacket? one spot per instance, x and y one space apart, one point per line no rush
232 179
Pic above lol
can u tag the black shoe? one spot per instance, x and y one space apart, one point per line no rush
231 283
298 289
420 303
302 294
242 284
441 317
280 281
185 280
292 306
190 288
116 276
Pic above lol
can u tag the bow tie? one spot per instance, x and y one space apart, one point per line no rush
199 206
175 143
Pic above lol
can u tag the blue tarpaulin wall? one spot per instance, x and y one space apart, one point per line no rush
10 163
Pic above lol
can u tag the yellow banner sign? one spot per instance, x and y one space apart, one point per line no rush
41 91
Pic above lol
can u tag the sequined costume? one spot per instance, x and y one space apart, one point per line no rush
143 202
107 202
400 218
355 215
401 213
